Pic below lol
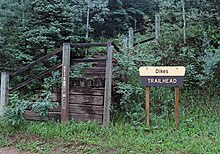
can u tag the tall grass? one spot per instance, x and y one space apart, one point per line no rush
198 132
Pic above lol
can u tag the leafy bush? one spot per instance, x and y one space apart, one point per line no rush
43 104
15 110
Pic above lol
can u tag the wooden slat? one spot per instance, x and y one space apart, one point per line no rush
95 70
140 30
30 115
144 41
88 60
86 100
84 117
57 109
88 45
86 109
86 91
24 68
56 97
90 81
93 74
35 78
99 64
116 47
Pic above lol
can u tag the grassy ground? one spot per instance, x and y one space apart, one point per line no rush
199 132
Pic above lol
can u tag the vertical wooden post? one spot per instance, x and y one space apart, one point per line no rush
130 38
108 86
124 43
87 22
157 29
148 106
65 82
176 106
4 91
184 22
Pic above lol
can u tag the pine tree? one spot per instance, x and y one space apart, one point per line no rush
51 23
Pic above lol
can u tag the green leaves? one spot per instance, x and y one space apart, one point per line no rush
43 104
15 110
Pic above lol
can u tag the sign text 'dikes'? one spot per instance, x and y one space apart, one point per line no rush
170 76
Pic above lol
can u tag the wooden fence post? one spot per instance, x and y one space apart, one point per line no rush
157 29
125 43
4 91
65 82
108 86
184 23
130 38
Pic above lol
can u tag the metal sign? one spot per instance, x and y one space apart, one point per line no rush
170 76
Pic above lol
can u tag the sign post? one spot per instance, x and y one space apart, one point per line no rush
162 76
148 105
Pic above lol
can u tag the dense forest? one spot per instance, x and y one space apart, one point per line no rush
189 36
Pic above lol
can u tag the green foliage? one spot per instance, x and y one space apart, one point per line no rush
128 86
77 70
43 104
211 66
15 110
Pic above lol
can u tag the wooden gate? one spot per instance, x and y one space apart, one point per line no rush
84 98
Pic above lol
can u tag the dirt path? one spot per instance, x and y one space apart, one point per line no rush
12 150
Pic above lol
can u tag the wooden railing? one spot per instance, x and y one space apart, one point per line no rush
24 68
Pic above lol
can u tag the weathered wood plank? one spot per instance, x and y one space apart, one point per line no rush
55 97
144 41
4 91
86 117
88 82
116 47
86 91
108 86
93 74
65 82
57 109
88 60
24 68
88 45
95 70
86 100
86 109
30 115
82 109
140 30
